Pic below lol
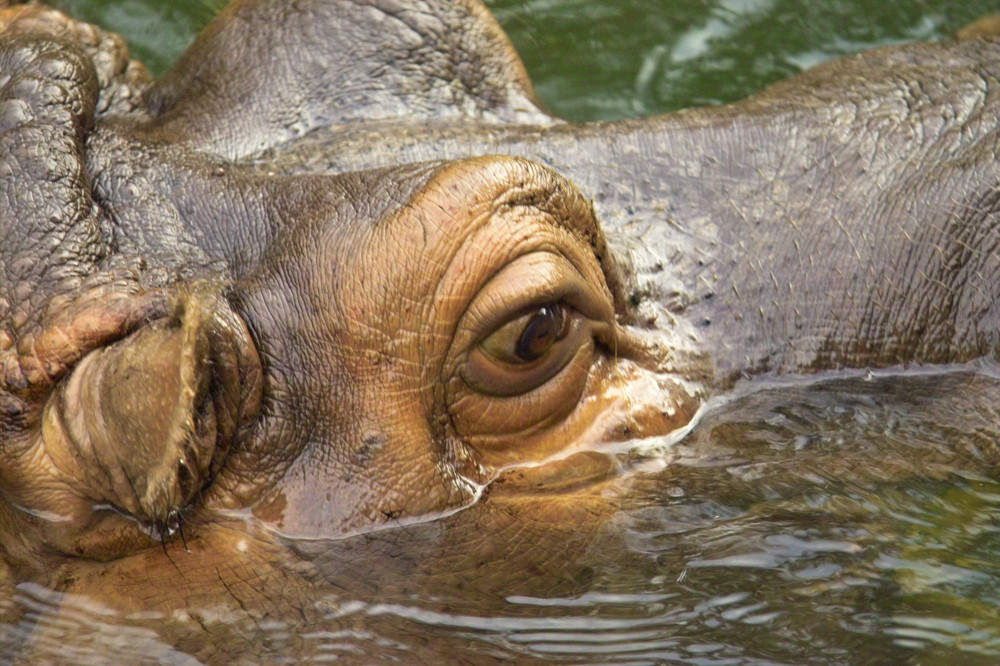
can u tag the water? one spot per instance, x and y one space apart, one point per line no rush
842 519
606 60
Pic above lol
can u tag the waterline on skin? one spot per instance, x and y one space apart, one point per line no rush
470 488
639 456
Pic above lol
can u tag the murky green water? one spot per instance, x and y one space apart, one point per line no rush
604 59
847 520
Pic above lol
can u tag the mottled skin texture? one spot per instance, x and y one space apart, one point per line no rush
250 300
859 170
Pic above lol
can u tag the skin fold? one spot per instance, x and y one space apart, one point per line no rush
337 290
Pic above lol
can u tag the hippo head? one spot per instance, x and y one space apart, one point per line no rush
402 337
322 353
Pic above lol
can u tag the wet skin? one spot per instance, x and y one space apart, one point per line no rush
287 293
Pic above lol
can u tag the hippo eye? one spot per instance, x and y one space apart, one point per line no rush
536 320
522 354
529 337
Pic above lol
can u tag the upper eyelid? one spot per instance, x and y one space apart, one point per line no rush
572 293
490 325
533 308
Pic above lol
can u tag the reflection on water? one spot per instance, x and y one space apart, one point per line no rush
843 520
54 615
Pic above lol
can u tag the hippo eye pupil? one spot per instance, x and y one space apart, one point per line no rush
546 326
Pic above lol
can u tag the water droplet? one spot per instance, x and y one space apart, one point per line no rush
173 523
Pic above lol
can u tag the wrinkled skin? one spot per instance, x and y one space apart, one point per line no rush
284 292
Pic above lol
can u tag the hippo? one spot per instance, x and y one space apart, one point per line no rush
335 304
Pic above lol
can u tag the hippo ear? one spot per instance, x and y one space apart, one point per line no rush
265 71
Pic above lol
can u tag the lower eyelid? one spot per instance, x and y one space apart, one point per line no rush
495 415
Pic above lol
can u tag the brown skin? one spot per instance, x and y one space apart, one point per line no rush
406 348
252 349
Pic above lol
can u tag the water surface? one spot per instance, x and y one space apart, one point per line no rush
845 519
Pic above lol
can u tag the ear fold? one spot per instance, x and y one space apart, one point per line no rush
119 79
265 71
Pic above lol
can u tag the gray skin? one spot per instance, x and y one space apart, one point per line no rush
224 307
